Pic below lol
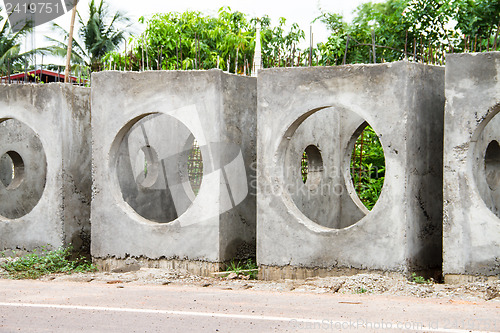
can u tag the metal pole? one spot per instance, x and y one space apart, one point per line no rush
180 50
147 55
142 67
161 58
346 47
496 38
406 46
311 45
199 54
373 48
414 49
41 70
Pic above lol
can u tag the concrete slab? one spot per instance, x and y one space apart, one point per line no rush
472 166
322 226
45 179
146 201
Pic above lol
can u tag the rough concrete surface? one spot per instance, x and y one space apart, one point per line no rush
45 166
327 108
144 203
472 166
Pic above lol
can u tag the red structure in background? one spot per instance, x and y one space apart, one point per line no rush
38 76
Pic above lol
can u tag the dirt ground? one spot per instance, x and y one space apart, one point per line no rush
372 284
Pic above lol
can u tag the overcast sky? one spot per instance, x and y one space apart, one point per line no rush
301 12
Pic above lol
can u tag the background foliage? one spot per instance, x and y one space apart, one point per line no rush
368 172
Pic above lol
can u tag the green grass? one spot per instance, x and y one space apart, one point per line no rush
361 290
241 267
44 262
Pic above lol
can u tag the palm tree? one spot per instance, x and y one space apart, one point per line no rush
97 36
10 47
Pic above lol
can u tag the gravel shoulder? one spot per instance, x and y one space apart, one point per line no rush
369 284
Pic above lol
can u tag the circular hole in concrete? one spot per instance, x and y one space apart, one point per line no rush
152 167
311 166
367 166
23 169
492 165
321 187
11 170
486 161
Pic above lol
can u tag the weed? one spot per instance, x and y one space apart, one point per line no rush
419 279
361 290
35 265
243 267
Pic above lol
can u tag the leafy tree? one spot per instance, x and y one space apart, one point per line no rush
278 46
382 23
10 47
424 27
101 33
191 40
479 18
332 52
235 36
420 30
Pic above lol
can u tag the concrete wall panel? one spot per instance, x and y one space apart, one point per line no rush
158 215
472 168
45 166
327 107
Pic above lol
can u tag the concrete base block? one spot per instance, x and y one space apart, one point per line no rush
273 273
463 279
200 268
45 170
321 224
471 237
173 165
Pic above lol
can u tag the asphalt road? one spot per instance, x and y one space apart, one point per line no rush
34 306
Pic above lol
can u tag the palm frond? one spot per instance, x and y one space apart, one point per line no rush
96 36
9 54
